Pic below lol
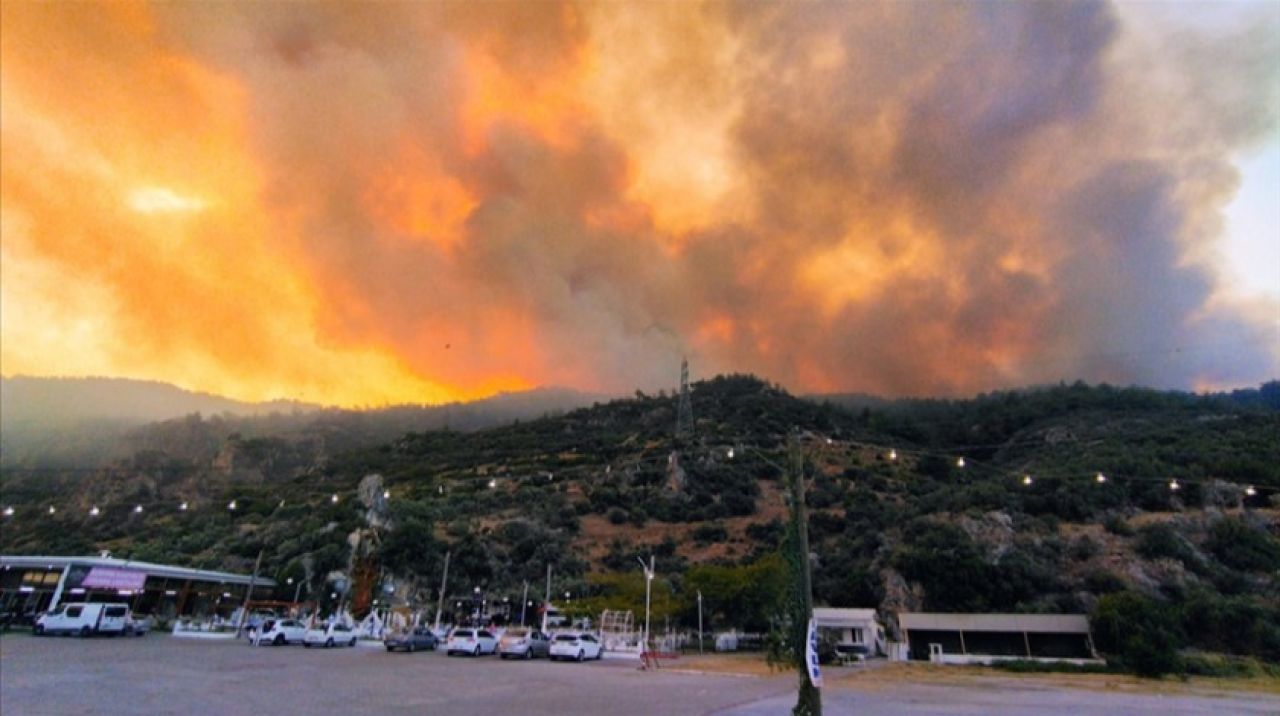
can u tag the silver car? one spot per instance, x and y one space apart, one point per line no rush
521 643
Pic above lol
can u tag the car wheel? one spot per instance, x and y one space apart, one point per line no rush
39 630
279 640
411 648
528 653
352 643
85 631
306 645
328 643
580 655
392 648
476 653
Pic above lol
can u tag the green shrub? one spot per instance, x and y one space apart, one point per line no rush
1137 633
1241 546
1117 525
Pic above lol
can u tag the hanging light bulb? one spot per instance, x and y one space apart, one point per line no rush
386 494
441 489
493 484
231 505
137 510
1026 479
183 507
334 499
94 511
1100 478
730 453
1248 491
1173 485
52 509
8 511
893 455
960 462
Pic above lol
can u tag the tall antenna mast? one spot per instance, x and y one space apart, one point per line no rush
684 413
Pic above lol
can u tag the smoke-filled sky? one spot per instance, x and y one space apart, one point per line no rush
361 204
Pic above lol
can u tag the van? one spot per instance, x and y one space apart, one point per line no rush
84 618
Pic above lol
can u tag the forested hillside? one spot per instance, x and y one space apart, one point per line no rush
1067 498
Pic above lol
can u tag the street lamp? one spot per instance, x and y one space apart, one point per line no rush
648 590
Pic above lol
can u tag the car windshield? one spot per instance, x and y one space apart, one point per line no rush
463 634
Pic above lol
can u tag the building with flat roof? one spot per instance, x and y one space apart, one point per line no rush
986 638
30 585
854 630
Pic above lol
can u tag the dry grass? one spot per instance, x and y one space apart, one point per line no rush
879 676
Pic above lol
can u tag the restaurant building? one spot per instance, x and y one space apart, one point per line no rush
30 585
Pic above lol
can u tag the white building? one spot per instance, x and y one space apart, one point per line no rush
853 630
988 638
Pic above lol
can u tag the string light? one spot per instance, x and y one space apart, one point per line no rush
1173 485
893 456
1026 479
183 507
386 494
94 511
8 511
1100 478
493 484
137 510
730 453
334 499
960 462
231 505
52 509
1248 491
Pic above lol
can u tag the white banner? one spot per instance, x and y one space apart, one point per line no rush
811 655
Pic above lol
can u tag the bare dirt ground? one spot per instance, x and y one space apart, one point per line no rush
161 674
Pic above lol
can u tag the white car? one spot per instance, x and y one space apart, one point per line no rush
331 635
578 646
279 632
471 641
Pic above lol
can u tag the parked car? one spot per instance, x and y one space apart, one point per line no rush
279 632
577 646
332 635
471 641
136 626
523 643
83 618
411 639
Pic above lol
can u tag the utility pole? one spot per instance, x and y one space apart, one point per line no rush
648 590
809 702
248 594
444 581
699 622
546 600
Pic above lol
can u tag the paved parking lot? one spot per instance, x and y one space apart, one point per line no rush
164 675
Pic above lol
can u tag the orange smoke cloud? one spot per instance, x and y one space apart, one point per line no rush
441 201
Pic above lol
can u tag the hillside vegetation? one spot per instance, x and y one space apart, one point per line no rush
895 521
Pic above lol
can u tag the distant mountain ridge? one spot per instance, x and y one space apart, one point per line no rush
34 401
90 422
